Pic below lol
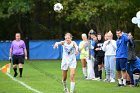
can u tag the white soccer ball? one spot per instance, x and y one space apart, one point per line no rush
58 7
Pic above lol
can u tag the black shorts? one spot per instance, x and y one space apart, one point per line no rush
18 59
100 60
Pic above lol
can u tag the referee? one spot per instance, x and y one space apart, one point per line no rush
18 52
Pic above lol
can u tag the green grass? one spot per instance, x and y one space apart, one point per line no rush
45 76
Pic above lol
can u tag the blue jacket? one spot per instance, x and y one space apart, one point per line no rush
93 43
137 63
122 49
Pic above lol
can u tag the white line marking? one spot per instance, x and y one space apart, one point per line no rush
22 83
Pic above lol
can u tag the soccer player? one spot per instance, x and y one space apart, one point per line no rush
109 47
70 50
99 55
18 52
83 53
121 57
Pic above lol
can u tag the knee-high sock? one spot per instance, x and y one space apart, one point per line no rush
20 70
72 85
64 84
15 70
124 81
100 74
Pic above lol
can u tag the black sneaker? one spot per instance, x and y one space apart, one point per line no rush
15 74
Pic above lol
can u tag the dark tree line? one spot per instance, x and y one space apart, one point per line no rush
36 19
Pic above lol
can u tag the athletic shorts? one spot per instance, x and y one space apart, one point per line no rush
100 60
121 64
83 56
68 64
18 59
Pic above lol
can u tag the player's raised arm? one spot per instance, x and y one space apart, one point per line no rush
58 43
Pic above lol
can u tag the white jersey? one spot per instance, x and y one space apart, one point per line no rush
69 56
68 49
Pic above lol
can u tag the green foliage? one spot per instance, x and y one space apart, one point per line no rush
11 7
33 17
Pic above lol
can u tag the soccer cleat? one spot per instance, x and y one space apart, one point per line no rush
66 90
15 74
71 92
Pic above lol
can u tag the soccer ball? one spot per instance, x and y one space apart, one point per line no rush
58 7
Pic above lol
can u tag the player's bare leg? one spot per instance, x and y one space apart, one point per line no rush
124 74
100 70
119 76
64 78
83 61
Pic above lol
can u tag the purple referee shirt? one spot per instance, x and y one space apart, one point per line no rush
18 47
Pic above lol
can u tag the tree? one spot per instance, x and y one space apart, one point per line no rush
37 19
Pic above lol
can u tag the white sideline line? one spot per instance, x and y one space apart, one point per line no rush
22 83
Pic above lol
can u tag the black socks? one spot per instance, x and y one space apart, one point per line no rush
100 74
15 70
20 70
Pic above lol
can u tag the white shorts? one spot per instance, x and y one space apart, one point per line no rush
68 63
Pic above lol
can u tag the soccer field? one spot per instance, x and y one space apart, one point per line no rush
45 76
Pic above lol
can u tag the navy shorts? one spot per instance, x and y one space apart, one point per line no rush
121 64
18 59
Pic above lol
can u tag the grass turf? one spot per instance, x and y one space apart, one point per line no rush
45 76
